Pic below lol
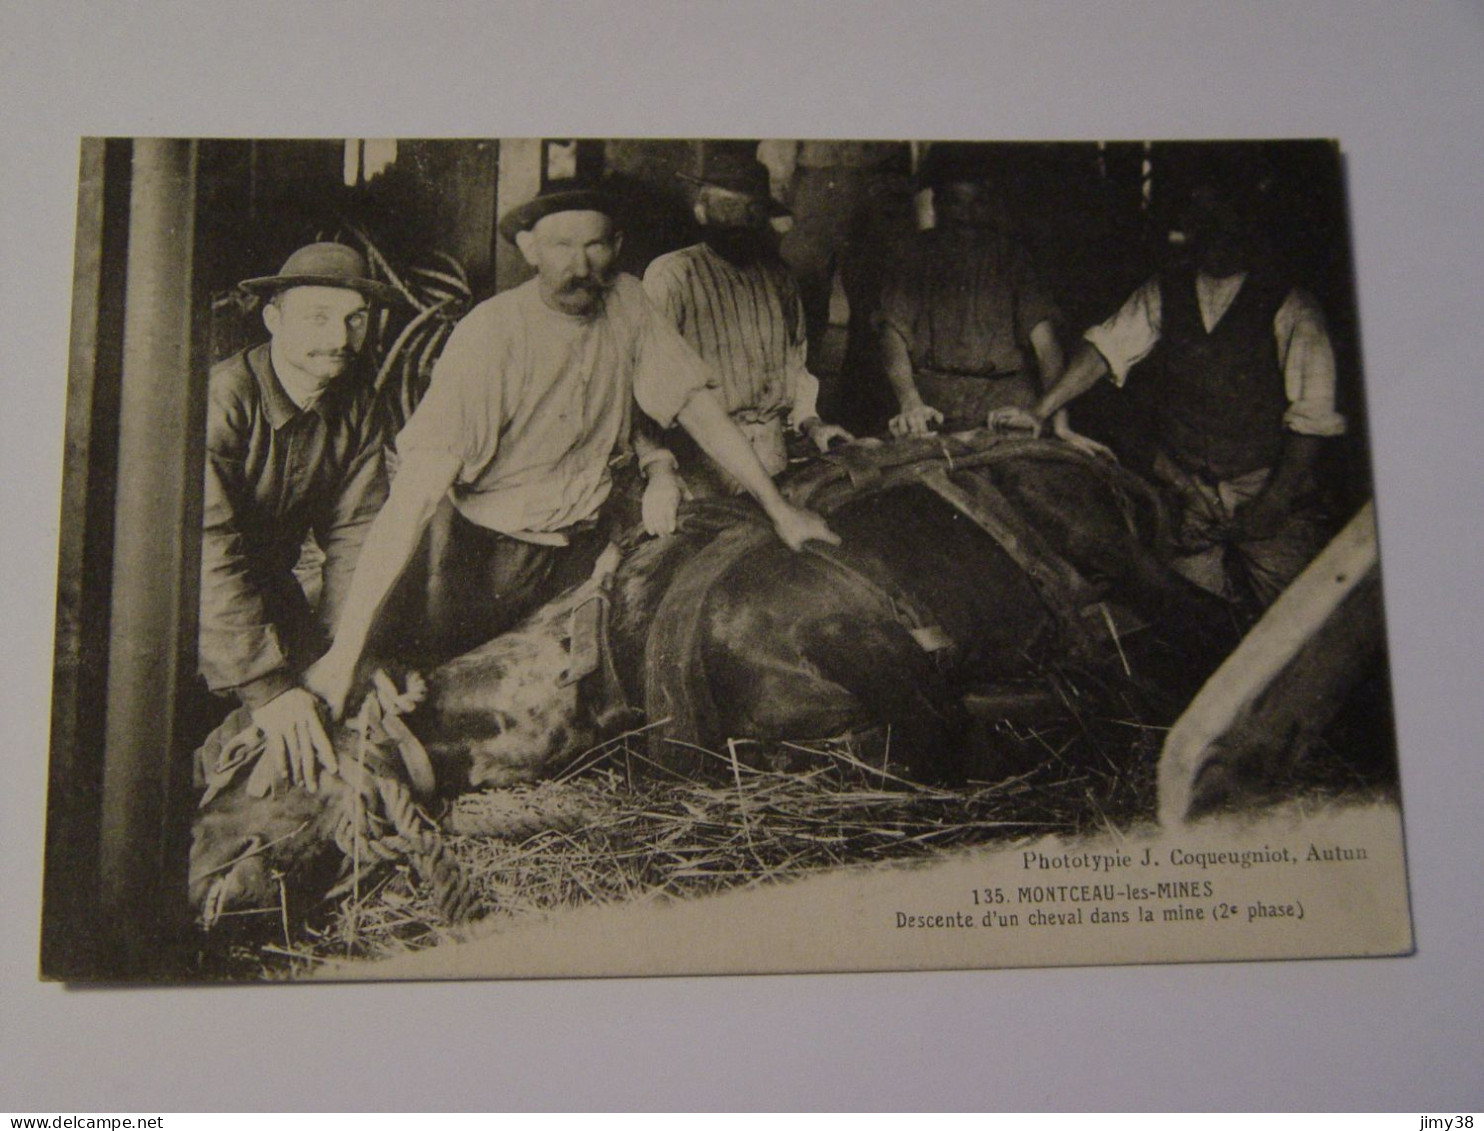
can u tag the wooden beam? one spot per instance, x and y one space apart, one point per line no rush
79 672
156 559
1283 683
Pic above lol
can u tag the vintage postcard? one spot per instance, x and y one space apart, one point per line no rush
580 557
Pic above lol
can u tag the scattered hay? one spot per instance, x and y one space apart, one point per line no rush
606 836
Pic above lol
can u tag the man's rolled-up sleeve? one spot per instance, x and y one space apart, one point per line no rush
667 371
239 648
1131 334
1307 359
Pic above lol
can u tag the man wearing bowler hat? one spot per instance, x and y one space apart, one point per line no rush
530 401
293 448
735 301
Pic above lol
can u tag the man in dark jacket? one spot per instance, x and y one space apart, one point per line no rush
293 448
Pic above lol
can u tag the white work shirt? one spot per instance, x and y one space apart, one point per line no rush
1304 352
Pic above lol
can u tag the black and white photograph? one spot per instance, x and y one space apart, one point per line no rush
845 555
520 557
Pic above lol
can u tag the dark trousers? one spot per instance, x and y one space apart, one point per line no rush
468 585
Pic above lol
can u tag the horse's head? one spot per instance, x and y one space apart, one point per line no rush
248 852
244 847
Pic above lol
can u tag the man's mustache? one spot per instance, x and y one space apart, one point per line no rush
593 283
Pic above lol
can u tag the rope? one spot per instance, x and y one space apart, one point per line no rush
382 822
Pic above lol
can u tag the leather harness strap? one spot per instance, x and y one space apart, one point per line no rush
1061 588
905 610
675 683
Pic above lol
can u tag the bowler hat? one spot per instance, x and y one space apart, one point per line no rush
739 173
323 265
560 196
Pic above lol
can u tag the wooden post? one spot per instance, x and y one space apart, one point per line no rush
156 558
84 559
1285 680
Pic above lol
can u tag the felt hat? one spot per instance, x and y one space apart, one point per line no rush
947 162
559 196
323 265
736 172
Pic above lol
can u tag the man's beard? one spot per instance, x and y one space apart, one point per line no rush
741 247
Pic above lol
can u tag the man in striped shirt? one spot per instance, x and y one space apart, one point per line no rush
733 299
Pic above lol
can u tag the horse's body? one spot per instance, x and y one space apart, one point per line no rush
720 632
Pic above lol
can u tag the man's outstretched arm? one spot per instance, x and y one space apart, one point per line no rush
421 483
1087 368
710 426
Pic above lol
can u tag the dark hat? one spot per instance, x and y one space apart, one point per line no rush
739 173
559 196
323 265
947 162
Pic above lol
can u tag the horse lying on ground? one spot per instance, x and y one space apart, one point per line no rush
966 563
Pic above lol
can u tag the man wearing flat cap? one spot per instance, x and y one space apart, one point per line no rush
530 401
735 301
293 448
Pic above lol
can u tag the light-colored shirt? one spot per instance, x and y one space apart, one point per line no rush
1304 352
535 404
746 322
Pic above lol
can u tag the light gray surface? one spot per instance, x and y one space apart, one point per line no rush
1398 84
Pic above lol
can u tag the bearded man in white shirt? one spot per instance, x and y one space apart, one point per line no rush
1245 398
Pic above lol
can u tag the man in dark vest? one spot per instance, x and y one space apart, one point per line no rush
1245 398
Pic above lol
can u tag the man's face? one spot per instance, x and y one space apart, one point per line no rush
965 204
736 226
1219 233
573 253
722 208
318 330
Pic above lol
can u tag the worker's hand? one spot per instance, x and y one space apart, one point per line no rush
1261 517
331 677
797 525
1013 419
295 742
822 435
661 504
915 420
1084 444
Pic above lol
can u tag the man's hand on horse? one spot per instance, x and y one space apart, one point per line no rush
661 504
822 435
915 420
1013 419
1084 444
798 525
295 742
331 678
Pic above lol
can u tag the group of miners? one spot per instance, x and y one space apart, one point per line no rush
533 399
